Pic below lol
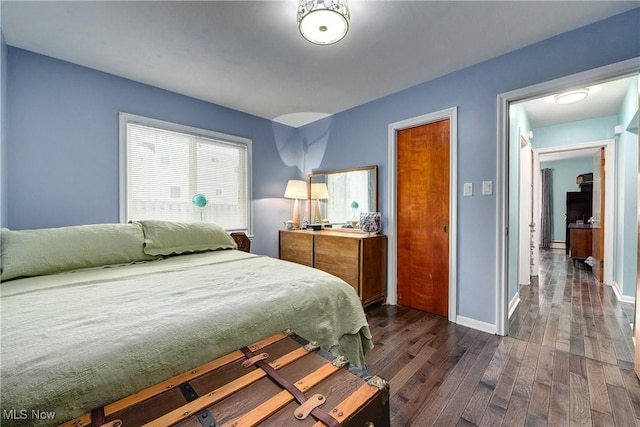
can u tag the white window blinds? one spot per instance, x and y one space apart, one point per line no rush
167 165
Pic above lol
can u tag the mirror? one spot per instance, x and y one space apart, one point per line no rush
338 197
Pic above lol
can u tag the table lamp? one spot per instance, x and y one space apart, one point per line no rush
319 191
296 190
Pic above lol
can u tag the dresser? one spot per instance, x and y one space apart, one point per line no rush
358 259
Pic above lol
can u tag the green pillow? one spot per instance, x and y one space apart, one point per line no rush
168 238
52 250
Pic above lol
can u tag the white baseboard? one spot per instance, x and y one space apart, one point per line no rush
619 296
476 324
558 245
631 300
513 304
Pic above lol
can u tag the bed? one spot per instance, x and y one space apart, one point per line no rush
168 297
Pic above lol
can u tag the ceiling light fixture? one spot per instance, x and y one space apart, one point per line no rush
323 21
571 97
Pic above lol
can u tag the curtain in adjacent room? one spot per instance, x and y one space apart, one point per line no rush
545 228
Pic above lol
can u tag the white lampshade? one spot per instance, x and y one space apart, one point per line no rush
296 189
323 21
319 190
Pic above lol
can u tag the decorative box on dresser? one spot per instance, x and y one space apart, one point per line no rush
357 258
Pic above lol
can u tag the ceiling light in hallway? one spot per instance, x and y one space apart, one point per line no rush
571 97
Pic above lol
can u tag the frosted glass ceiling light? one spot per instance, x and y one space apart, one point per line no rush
323 21
571 97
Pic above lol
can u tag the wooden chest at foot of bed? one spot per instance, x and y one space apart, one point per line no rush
262 384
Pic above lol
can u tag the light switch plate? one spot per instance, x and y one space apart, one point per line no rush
468 189
487 188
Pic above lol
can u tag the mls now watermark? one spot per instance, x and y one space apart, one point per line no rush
24 414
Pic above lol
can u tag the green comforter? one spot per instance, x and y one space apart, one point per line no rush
74 341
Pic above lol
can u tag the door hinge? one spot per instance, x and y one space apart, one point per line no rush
445 228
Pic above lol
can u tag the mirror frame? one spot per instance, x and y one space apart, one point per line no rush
373 168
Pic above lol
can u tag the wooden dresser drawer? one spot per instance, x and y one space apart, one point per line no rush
340 257
346 269
297 247
358 259
337 248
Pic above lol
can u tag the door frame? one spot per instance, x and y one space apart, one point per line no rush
392 288
536 176
588 77
524 211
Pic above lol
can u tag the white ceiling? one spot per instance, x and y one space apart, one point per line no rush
604 99
249 55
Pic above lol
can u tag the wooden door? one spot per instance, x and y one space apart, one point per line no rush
597 222
423 217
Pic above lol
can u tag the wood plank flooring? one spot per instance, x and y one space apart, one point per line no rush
568 359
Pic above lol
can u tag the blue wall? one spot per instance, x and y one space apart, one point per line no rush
63 150
62 133
596 129
563 179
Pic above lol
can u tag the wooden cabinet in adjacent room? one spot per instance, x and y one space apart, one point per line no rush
358 259
581 241
579 208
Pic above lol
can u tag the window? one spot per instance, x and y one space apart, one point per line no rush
163 166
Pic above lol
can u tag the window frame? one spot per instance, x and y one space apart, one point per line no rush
124 118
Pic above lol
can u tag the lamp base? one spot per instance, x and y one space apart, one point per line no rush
296 214
317 219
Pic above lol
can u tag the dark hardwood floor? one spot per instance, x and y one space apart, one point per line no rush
568 359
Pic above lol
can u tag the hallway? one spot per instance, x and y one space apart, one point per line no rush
586 347
567 361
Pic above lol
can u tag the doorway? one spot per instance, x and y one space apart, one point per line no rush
506 257
582 197
448 116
